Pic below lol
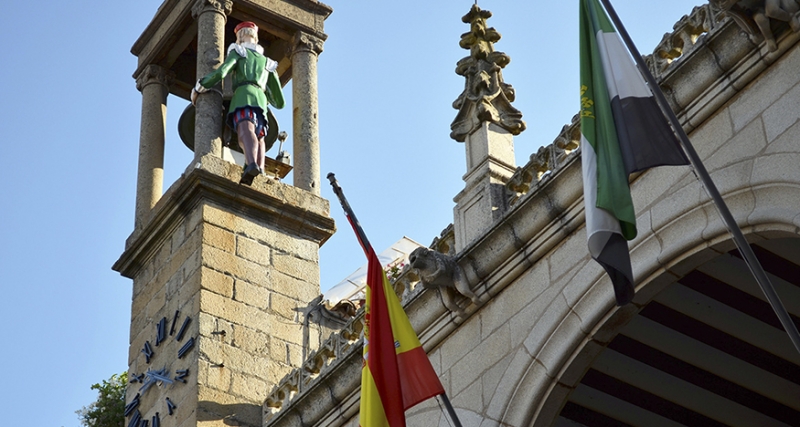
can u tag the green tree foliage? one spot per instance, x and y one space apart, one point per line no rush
108 409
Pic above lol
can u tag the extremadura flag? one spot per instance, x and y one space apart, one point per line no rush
622 131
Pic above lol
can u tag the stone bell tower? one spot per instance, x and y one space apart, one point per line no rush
218 268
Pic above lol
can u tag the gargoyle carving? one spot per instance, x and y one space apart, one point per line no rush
333 317
754 16
441 272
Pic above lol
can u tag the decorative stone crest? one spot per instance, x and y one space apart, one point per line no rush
486 98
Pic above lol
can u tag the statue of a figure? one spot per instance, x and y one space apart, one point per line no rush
747 12
255 86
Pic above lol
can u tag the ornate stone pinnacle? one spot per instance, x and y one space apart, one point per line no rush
486 98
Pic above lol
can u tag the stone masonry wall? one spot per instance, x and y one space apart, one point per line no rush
237 264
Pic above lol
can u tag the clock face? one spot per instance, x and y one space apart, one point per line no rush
160 378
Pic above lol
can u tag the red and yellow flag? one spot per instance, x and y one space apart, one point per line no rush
396 372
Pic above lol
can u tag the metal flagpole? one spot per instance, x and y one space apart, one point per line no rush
738 237
362 239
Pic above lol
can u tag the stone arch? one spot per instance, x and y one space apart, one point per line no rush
765 210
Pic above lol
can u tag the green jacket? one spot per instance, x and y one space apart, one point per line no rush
254 86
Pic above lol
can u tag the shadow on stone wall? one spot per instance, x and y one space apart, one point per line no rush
237 414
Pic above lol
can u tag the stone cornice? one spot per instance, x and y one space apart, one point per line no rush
214 181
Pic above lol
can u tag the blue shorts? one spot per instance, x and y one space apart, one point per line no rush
252 115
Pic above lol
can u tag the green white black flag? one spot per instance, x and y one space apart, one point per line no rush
622 131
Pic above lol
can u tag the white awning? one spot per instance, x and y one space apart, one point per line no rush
352 287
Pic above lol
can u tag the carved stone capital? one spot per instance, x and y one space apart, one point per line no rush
223 7
486 97
154 74
304 42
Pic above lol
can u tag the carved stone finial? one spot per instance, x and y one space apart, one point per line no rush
486 98
154 74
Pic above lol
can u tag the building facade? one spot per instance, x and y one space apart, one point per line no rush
543 343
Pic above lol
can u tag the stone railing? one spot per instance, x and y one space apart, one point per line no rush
683 39
678 44
336 347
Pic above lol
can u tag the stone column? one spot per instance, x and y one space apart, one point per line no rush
211 16
153 82
306 106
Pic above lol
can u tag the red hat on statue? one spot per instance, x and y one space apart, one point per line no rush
245 24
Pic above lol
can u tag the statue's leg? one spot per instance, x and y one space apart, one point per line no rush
774 9
246 131
260 153
763 24
793 7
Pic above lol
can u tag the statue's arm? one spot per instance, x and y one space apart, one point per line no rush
217 75
274 91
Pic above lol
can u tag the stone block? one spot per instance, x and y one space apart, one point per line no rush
229 263
561 343
712 134
251 294
234 312
265 234
285 306
468 335
747 143
498 397
740 204
252 250
527 326
307 271
782 114
219 238
217 282
220 217
482 356
775 204
764 91
277 281
676 205
251 341
213 376
563 258
513 299
252 389
655 184
155 308
776 168
238 360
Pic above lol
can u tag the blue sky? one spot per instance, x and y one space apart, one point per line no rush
69 122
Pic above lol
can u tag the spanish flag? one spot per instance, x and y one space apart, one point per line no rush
396 373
